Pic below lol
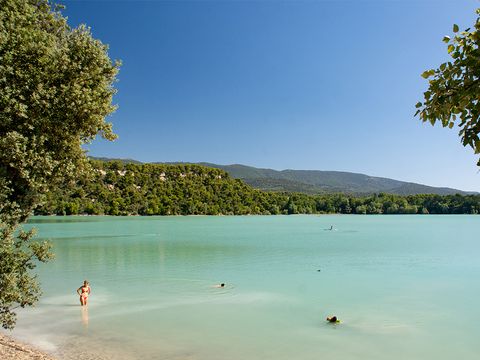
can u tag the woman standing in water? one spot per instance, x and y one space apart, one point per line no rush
84 292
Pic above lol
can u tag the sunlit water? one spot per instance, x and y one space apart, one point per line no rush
404 287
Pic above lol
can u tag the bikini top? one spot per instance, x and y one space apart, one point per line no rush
85 289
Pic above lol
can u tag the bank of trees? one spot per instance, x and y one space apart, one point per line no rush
114 188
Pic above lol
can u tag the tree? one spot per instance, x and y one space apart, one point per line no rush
454 88
56 88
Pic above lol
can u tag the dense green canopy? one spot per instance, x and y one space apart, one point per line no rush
55 92
454 88
114 188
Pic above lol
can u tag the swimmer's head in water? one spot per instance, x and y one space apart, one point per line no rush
222 285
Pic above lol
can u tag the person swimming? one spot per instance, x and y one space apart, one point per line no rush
219 285
84 291
333 319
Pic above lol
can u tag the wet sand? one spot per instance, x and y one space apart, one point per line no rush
81 349
11 349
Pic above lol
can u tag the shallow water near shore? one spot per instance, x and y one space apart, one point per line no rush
402 286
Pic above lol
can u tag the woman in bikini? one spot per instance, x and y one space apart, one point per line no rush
84 291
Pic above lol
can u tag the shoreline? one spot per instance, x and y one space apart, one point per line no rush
12 349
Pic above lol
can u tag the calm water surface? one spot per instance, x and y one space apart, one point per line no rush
403 286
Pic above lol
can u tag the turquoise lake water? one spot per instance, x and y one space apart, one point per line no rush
405 287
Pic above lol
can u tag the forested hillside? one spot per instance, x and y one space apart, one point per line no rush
317 182
118 188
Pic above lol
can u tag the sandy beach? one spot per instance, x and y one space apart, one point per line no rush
76 349
11 349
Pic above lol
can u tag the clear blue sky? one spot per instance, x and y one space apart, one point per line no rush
327 85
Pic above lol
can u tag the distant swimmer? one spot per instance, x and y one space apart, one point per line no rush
219 285
331 227
332 319
84 291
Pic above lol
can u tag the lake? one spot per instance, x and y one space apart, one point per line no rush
403 287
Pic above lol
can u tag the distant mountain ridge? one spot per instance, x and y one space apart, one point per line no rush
318 181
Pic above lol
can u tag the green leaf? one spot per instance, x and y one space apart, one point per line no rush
426 74
450 48
477 146
446 39
455 28
450 125
419 104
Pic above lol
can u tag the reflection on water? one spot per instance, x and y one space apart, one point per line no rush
62 219
392 280
87 237
84 310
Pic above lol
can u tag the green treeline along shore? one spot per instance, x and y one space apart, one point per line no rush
115 188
